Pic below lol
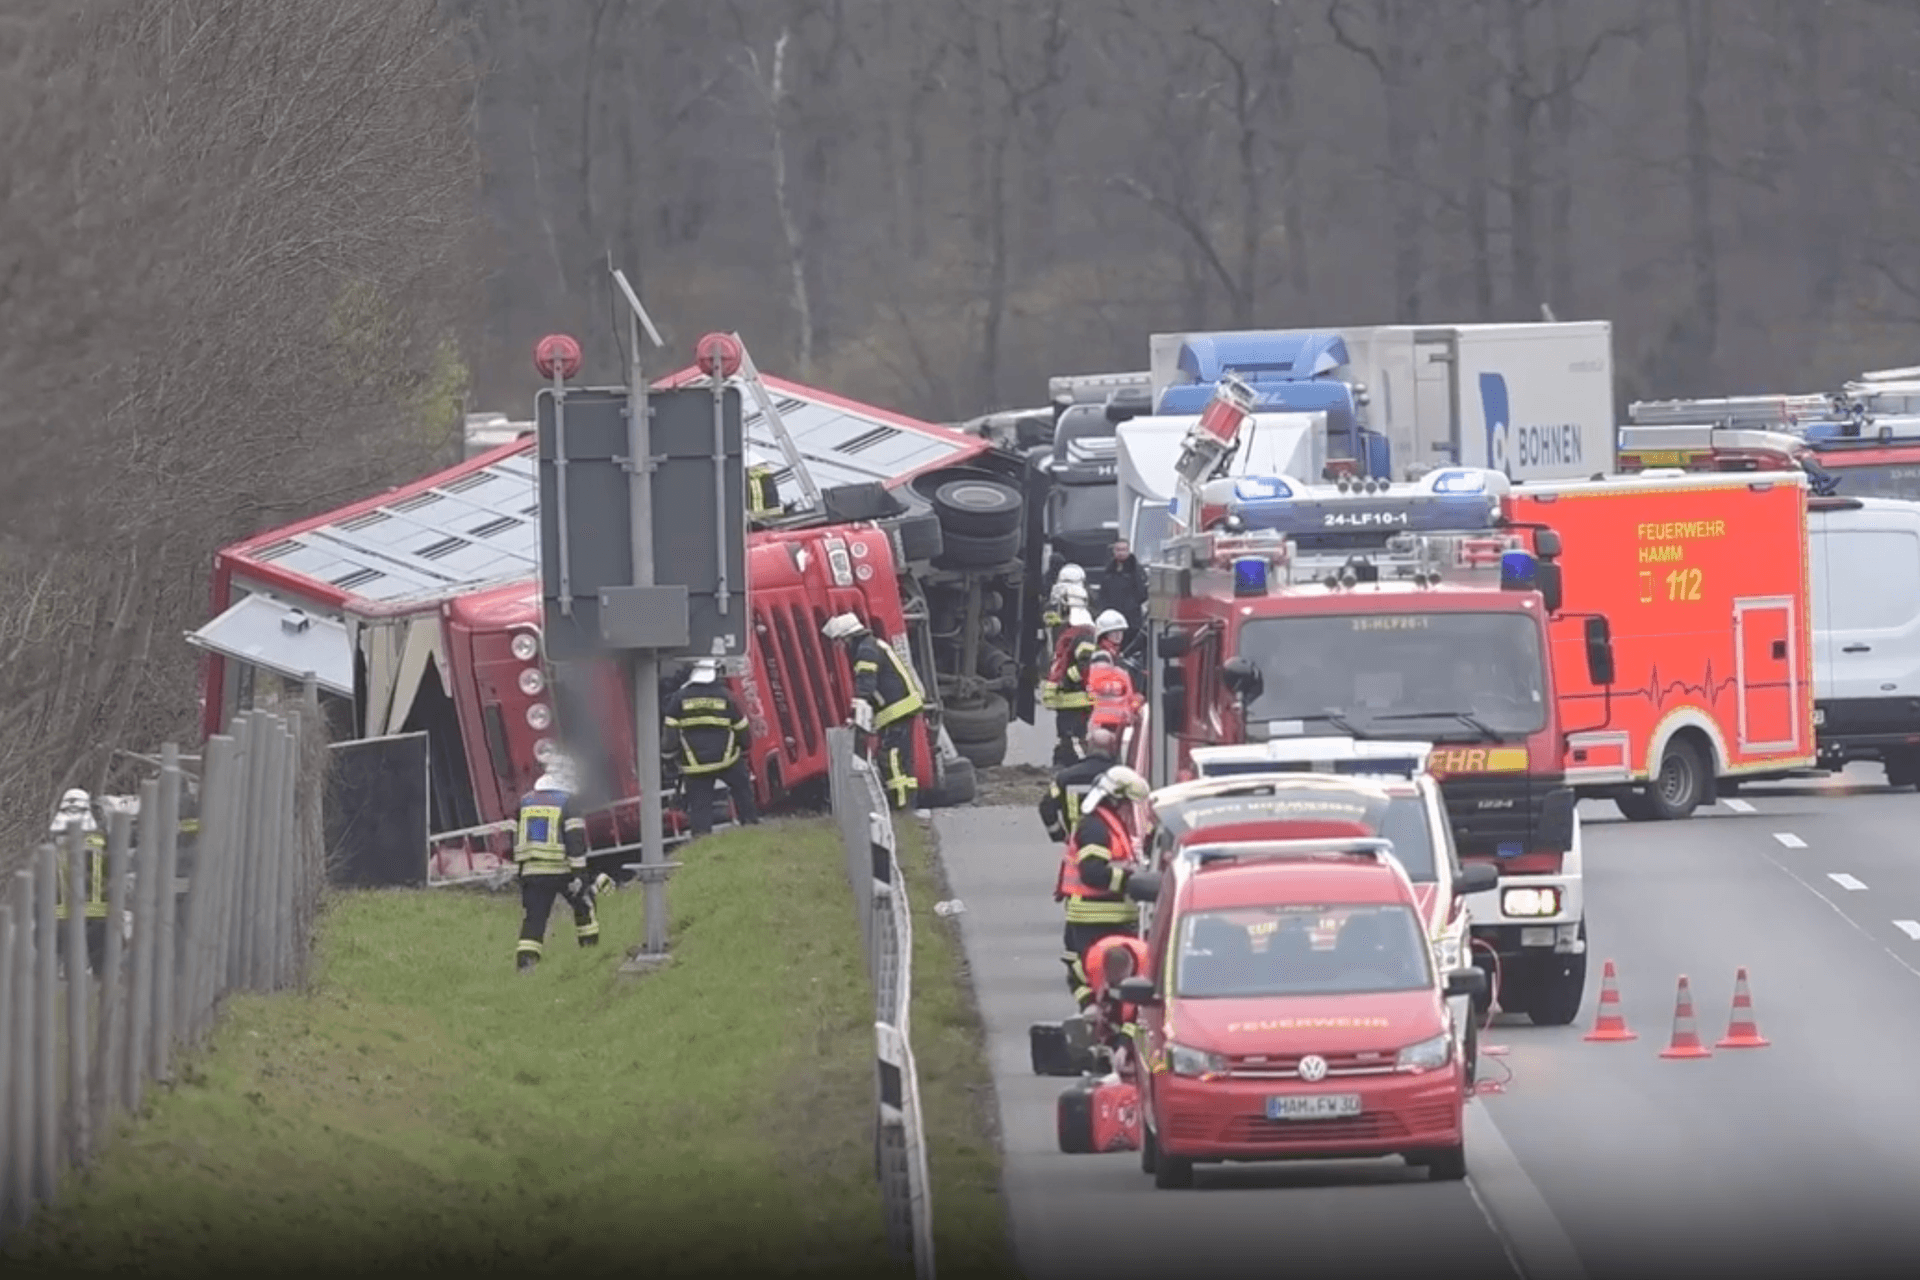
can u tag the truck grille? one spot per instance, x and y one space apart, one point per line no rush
1489 811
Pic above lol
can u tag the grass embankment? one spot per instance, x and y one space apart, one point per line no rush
424 1108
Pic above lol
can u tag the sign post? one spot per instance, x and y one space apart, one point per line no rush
675 586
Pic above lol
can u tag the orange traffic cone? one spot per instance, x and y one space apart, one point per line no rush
1686 1039
1742 1031
1610 1024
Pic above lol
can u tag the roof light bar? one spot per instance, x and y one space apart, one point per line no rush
1374 850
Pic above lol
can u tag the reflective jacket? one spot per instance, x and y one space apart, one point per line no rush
96 876
882 680
1060 807
552 836
1094 871
706 728
1115 704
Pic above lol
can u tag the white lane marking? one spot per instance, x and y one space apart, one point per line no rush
1909 927
1835 908
1789 839
1738 806
1536 1244
1844 880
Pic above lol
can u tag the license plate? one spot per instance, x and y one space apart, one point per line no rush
1313 1106
1537 936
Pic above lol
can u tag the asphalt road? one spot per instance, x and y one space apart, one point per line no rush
1595 1160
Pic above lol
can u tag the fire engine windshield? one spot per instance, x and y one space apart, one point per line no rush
1875 480
1301 951
1440 676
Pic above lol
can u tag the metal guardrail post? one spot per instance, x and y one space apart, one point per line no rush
46 1049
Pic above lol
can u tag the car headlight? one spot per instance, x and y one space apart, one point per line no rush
1530 902
1194 1063
1446 954
1428 1055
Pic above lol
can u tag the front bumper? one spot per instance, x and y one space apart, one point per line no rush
1225 1119
1511 935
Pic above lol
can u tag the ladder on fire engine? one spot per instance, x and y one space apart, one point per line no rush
1750 412
749 376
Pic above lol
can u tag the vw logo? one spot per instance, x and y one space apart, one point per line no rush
1313 1068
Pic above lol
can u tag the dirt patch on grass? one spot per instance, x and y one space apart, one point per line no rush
1012 784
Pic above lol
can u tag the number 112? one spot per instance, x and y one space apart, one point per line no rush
1683 584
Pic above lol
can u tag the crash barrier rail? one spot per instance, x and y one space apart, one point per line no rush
886 935
82 1038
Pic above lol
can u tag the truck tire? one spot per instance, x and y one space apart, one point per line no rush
977 551
958 785
1681 783
986 754
920 538
1555 990
1634 805
982 723
1903 769
978 508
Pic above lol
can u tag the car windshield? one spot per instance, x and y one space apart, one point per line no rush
1459 676
1402 820
1876 480
1301 951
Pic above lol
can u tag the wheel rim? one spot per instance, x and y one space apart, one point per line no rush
1676 779
974 496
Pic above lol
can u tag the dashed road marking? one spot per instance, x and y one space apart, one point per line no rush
1844 880
1738 806
1909 927
1789 839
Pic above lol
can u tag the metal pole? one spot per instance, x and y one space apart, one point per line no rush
646 662
560 486
25 954
111 1072
13 1045
271 859
79 988
166 960
197 932
47 1170
226 962
146 905
289 833
720 595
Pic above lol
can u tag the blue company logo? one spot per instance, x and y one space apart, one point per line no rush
1529 446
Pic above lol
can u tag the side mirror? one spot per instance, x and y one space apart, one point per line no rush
1139 991
1546 543
1476 877
1599 638
1546 576
1467 982
1242 678
1143 886
1175 644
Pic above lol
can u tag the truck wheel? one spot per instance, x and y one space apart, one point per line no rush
985 755
1557 990
982 723
1471 1050
1903 769
957 786
1171 1173
978 551
1447 1165
1677 790
978 508
1149 1150
1634 805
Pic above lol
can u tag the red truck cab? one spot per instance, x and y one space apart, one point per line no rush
1294 1011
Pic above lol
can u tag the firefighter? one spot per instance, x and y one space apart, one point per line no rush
1093 876
707 736
1066 795
1071 582
886 704
1116 706
76 808
1110 962
550 848
1068 682
763 494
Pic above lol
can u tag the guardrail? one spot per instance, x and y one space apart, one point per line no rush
87 1022
886 933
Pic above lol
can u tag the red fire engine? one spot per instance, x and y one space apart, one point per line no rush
418 612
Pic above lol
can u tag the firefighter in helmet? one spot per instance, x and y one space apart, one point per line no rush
550 848
707 735
763 493
886 703
1094 871
76 809
1068 682
1060 808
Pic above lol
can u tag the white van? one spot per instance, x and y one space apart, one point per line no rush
1864 557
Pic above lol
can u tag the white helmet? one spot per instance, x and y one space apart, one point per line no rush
1120 783
843 625
1071 573
1071 593
1110 622
1079 617
705 671
75 806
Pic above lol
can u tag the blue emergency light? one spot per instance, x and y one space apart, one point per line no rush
1250 576
1509 849
1518 570
1261 489
1368 513
1458 480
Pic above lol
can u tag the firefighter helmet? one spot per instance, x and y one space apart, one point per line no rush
1110 622
1071 573
1118 783
705 671
842 626
1079 617
76 805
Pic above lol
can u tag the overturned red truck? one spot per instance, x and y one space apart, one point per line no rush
416 615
